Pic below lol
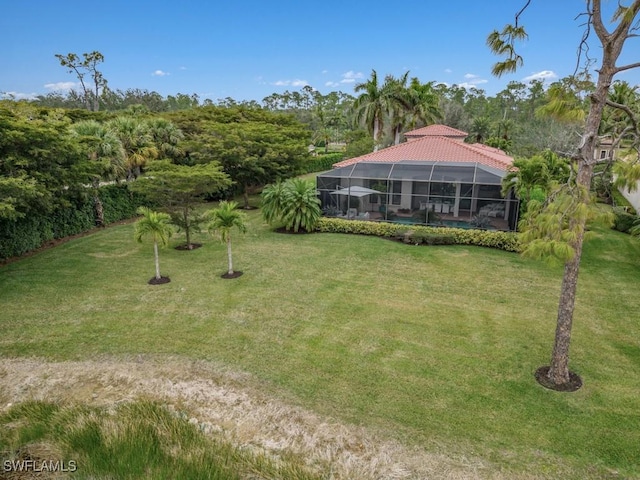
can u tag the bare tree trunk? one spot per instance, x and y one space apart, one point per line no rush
97 204
559 370
245 196
612 44
230 272
157 258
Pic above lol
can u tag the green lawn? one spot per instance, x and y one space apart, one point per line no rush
434 346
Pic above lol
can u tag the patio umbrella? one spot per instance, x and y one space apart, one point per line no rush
355 191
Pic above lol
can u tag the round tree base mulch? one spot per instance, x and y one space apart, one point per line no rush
574 383
159 281
228 275
184 246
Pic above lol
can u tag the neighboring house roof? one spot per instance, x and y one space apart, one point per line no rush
436 131
437 149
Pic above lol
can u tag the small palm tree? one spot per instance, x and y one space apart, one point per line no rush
293 203
301 206
157 225
272 201
224 219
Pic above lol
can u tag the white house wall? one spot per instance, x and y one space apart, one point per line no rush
632 197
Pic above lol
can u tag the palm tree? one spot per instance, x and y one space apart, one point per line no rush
105 151
528 175
224 219
272 202
371 106
166 137
293 203
480 129
619 122
157 225
301 206
424 104
399 103
137 142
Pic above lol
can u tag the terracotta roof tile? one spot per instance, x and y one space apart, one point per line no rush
436 131
437 149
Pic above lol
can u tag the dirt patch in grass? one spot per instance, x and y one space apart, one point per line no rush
158 281
231 404
542 376
192 246
228 275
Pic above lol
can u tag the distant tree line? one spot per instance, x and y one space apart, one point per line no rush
60 148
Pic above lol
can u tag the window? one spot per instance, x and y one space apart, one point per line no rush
603 154
396 190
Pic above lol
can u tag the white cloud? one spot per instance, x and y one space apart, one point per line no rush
60 86
543 75
291 83
183 68
474 84
448 70
331 84
472 81
351 76
160 73
17 96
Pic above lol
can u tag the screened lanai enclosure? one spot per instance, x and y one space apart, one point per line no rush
462 195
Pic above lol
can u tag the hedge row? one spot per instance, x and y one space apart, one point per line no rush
28 233
322 162
507 241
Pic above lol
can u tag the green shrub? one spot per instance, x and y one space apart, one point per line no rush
322 162
507 241
623 220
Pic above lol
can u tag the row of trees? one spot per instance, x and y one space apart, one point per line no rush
511 119
158 227
53 158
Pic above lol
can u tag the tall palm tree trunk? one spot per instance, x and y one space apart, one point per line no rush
157 259
187 227
377 133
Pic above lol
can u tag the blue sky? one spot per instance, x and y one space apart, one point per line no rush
249 49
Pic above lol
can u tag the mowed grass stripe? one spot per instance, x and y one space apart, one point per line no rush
434 345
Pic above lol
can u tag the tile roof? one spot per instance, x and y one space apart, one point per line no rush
436 131
436 149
